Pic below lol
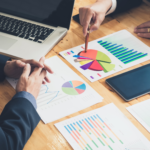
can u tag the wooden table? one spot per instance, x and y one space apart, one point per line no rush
47 137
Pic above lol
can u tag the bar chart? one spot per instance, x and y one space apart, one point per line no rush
91 126
105 128
107 55
121 52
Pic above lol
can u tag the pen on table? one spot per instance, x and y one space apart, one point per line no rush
87 38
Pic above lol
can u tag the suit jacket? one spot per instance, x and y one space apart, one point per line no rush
17 121
123 5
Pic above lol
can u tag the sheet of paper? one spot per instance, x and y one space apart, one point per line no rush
108 55
66 94
105 128
141 112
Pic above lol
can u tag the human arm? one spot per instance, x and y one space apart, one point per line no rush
19 117
95 13
124 5
17 122
3 60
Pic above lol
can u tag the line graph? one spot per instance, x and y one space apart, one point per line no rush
57 92
54 97
46 95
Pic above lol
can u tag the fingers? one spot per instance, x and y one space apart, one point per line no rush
144 31
19 63
86 15
47 68
87 21
82 12
43 82
47 79
141 30
37 70
43 74
33 62
26 71
144 25
97 23
144 35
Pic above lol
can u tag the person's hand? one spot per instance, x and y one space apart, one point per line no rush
14 69
94 14
143 30
31 82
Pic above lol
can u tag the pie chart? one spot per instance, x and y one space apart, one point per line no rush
96 61
73 87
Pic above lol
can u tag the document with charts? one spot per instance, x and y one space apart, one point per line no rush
107 55
105 128
66 94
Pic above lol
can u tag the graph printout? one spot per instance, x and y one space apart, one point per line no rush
141 111
108 55
105 128
66 94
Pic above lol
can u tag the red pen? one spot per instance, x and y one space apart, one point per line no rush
87 39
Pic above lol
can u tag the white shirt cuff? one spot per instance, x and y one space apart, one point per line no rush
113 7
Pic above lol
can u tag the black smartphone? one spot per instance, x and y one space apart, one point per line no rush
76 18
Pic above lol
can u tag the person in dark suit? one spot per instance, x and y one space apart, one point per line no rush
96 13
19 117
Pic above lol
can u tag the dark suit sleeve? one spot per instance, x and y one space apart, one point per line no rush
123 5
3 60
17 122
18 119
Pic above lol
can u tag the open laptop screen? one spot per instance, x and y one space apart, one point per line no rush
51 12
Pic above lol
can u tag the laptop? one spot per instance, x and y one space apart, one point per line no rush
29 29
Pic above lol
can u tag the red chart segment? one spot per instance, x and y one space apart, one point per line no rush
92 54
101 62
96 66
79 91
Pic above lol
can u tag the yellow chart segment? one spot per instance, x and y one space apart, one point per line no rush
85 62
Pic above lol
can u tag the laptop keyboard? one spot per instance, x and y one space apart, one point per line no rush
24 29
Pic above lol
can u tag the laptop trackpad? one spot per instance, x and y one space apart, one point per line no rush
6 43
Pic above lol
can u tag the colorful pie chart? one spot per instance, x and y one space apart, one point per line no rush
73 87
96 61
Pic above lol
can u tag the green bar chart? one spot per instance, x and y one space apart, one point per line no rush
105 128
108 55
124 54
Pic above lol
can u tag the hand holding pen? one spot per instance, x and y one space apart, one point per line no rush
95 12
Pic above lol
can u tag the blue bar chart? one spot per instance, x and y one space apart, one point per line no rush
107 55
121 52
105 128
92 126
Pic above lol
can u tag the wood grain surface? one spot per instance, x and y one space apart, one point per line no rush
47 137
